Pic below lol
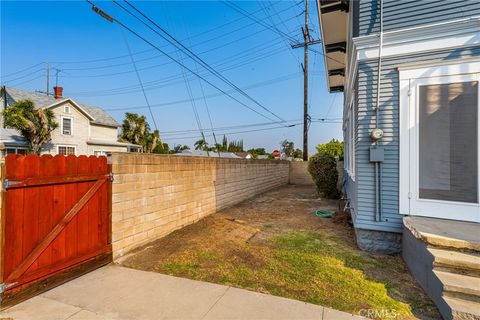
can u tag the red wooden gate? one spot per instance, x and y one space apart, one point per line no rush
56 221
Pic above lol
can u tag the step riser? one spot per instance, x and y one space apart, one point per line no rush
463 296
457 270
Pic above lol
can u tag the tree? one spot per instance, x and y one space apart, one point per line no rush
288 148
255 152
35 125
201 144
235 146
334 148
178 147
136 130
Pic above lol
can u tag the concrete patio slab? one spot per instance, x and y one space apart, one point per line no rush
118 293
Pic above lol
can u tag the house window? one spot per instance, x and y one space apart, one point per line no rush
67 126
67 109
66 150
14 151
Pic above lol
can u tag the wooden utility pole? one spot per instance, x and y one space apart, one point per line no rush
47 71
306 39
306 42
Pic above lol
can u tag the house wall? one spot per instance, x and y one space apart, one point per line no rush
154 195
80 131
389 123
410 13
98 132
92 148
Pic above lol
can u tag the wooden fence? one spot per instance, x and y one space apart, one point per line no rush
56 221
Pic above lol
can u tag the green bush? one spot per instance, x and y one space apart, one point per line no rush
333 148
323 169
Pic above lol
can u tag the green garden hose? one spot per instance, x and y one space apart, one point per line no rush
323 214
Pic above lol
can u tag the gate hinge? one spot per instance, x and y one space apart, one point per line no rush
5 286
409 195
7 183
409 92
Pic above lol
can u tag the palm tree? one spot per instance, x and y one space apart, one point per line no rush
201 144
135 129
35 125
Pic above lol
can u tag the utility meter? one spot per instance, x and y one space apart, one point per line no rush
376 134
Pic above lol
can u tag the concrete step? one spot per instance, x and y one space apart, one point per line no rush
463 309
456 261
444 233
459 286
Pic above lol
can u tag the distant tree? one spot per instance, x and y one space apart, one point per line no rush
288 148
178 148
235 146
333 148
136 130
201 144
255 152
35 125
162 148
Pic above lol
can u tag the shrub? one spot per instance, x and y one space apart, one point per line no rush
333 148
323 169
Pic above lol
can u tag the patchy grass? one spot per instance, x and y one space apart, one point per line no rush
274 244
300 265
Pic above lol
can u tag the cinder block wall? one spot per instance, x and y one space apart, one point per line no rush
153 195
299 173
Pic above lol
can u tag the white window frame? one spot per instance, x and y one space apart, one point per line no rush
66 146
4 151
349 139
71 125
410 80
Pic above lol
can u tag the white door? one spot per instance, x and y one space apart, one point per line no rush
443 155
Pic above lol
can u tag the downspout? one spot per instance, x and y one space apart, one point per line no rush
378 165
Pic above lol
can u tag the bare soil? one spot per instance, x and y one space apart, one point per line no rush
242 236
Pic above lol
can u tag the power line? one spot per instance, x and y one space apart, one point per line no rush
213 95
20 71
191 54
139 79
99 11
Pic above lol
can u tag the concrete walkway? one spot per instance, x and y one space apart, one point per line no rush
119 293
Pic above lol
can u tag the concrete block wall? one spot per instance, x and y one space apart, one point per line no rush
299 173
153 195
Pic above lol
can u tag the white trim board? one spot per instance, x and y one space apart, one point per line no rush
451 34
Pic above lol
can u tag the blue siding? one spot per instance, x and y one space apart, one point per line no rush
389 122
411 13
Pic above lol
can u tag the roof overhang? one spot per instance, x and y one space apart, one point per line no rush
333 17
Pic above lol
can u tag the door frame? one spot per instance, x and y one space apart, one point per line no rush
410 79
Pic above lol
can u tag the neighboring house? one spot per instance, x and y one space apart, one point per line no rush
422 166
82 130
213 154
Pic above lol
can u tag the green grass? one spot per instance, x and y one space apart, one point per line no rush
305 266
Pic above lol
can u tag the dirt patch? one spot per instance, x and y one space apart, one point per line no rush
275 244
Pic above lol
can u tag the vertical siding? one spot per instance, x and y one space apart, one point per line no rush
389 122
412 13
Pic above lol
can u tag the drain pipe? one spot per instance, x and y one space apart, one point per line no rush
377 154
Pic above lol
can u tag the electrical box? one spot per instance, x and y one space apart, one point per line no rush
377 154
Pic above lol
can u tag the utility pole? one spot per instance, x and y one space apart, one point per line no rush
306 42
306 39
47 71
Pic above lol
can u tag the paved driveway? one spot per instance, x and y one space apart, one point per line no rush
120 293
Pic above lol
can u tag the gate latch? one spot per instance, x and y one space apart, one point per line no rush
7 183
5 286
110 177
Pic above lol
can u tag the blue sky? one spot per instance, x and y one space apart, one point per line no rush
95 67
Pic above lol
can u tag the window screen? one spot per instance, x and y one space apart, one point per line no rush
66 151
448 143
67 126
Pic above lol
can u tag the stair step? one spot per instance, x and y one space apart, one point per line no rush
463 309
459 284
456 260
